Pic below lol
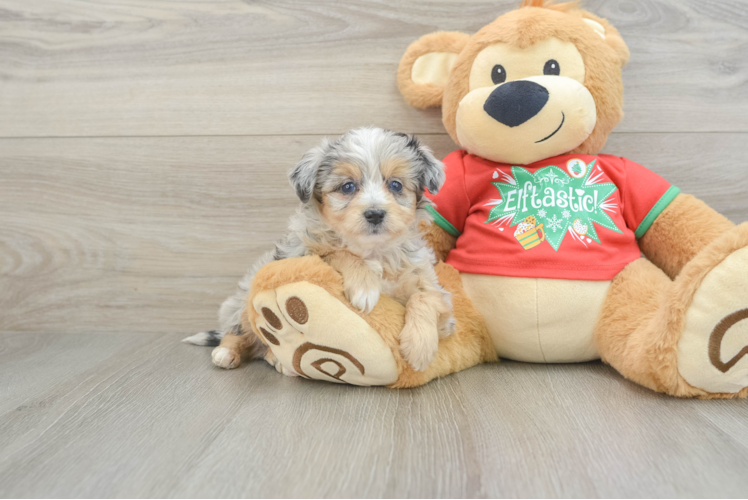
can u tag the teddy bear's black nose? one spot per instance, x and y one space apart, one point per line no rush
514 103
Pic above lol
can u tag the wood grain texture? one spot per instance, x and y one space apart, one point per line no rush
144 416
231 67
143 155
151 234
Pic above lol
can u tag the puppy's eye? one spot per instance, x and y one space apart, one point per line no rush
498 74
551 67
396 186
348 188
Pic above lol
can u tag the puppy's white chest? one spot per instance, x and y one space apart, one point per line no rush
388 286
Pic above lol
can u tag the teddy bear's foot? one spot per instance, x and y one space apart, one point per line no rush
314 335
713 346
687 337
299 308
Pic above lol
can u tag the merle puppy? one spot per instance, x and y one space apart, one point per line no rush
362 198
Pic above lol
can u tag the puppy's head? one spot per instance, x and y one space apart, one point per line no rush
368 185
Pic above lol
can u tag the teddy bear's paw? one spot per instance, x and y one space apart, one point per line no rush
225 358
418 346
314 335
713 348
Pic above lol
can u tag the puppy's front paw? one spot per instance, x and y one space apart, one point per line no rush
362 298
270 359
225 358
273 361
446 323
447 327
418 346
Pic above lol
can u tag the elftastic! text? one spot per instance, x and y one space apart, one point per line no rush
561 202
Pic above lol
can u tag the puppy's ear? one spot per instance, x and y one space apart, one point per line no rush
304 175
430 170
425 67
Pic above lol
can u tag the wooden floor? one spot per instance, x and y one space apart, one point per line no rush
143 151
91 415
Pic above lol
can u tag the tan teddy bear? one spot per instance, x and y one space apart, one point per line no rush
546 233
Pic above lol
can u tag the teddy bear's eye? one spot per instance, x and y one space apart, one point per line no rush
551 67
498 74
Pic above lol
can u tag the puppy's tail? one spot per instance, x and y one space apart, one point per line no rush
231 312
210 338
229 318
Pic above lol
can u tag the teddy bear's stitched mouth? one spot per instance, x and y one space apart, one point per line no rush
563 118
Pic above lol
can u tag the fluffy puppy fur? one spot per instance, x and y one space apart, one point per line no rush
361 204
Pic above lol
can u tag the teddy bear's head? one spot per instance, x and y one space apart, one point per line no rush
537 82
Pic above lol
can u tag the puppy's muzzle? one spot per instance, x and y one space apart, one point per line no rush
375 217
514 103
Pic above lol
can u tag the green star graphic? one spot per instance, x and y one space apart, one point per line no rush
555 194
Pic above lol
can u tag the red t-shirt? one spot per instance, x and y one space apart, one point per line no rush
567 217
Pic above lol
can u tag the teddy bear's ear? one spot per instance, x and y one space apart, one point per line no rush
608 33
425 66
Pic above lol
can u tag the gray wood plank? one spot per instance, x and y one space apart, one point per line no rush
144 416
120 246
151 234
163 67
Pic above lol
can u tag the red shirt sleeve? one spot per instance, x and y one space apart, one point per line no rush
645 195
451 203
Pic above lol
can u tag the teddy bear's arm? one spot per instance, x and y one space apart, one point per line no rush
440 241
681 231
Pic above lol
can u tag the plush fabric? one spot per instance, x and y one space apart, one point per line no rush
438 239
645 316
603 60
537 320
347 333
681 232
317 336
533 85
428 91
704 361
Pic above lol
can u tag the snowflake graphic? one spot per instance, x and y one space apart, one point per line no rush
566 214
551 176
554 223
542 212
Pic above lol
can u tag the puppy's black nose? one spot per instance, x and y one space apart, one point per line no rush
375 217
514 103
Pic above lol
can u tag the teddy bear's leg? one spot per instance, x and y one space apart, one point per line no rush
626 331
684 337
299 308
685 228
